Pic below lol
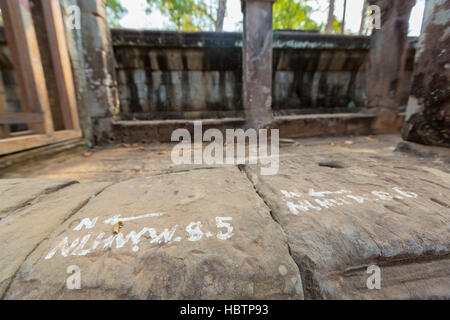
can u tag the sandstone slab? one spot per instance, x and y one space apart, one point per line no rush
22 231
17 192
202 234
343 213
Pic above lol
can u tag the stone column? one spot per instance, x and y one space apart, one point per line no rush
387 57
428 112
93 56
257 62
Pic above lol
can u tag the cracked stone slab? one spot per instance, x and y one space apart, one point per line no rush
343 213
201 234
28 226
17 192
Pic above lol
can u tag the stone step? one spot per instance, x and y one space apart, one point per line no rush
344 213
202 234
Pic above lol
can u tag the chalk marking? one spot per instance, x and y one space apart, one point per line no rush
221 224
64 247
87 223
78 246
290 194
327 203
312 193
121 241
302 205
112 221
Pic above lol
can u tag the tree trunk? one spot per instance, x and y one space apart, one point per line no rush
363 18
221 15
330 21
343 17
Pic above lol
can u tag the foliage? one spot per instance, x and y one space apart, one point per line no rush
115 12
337 25
293 14
201 15
187 15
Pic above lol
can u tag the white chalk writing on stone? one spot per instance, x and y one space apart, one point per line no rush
319 200
80 246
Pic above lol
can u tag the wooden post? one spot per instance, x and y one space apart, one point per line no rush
21 37
61 62
4 128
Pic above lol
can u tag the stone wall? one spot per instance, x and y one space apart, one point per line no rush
167 74
172 75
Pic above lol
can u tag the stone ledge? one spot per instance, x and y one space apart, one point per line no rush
292 39
161 130
297 126
40 153
314 125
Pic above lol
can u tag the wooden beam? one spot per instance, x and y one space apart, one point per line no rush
61 62
4 129
21 133
20 117
21 38
12 145
8 28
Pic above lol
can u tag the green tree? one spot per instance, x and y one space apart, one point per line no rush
293 14
331 18
221 14
115 12
343 17
363 18
333 24
188 15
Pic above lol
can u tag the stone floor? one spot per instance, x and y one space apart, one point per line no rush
338 206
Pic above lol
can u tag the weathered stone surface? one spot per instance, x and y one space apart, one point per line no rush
257 62
91 51
22 231
345 212
420 150
428 113
17 192
240 253
339 234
